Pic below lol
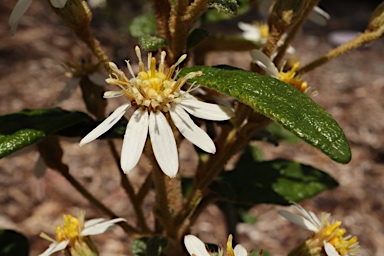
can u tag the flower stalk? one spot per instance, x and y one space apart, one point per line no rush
362 39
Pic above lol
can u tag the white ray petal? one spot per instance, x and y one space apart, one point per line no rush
98 78
251 33
163 143
105 125
134 139
240 250
319 16
40 167
206 111
190 130
58 3
298 220
265 63
310 216
55 247
68 90
195 246
17 12
112 94
92 222
330 250
100 228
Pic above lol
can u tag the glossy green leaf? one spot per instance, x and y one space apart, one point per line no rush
13 243
26 127
143 25
149 246
281 102
276 182
151 43
196 36
226 6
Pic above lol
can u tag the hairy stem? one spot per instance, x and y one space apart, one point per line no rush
360 40
127 228
296 28
128 188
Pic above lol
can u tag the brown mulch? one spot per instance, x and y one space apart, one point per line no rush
350 88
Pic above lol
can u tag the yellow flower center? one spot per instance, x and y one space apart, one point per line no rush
151 88
333 234
263 28
70 230
289 77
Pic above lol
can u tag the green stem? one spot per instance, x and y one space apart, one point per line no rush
128 188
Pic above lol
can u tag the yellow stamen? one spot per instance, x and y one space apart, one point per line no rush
230 251
289 77
69 230
153 67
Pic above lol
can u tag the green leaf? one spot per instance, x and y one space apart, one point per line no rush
13 243
281 102
151 43
26 127
143 25
277 182
149 246
227 6
196 36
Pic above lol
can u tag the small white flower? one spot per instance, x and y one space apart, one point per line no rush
258 33
153 94
327 235
22 6
196 247
254 32
269 67
72 233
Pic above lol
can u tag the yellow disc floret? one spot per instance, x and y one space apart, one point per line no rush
71 228
289 77
263 28
333 234
152 88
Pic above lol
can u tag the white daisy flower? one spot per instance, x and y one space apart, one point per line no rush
72 235
269 67
156 96
327 236
22 6
197 248
258 32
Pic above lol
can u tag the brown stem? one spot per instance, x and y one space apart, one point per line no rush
360 40
235 140
294 31
65 172
162 11
128 188
162 204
